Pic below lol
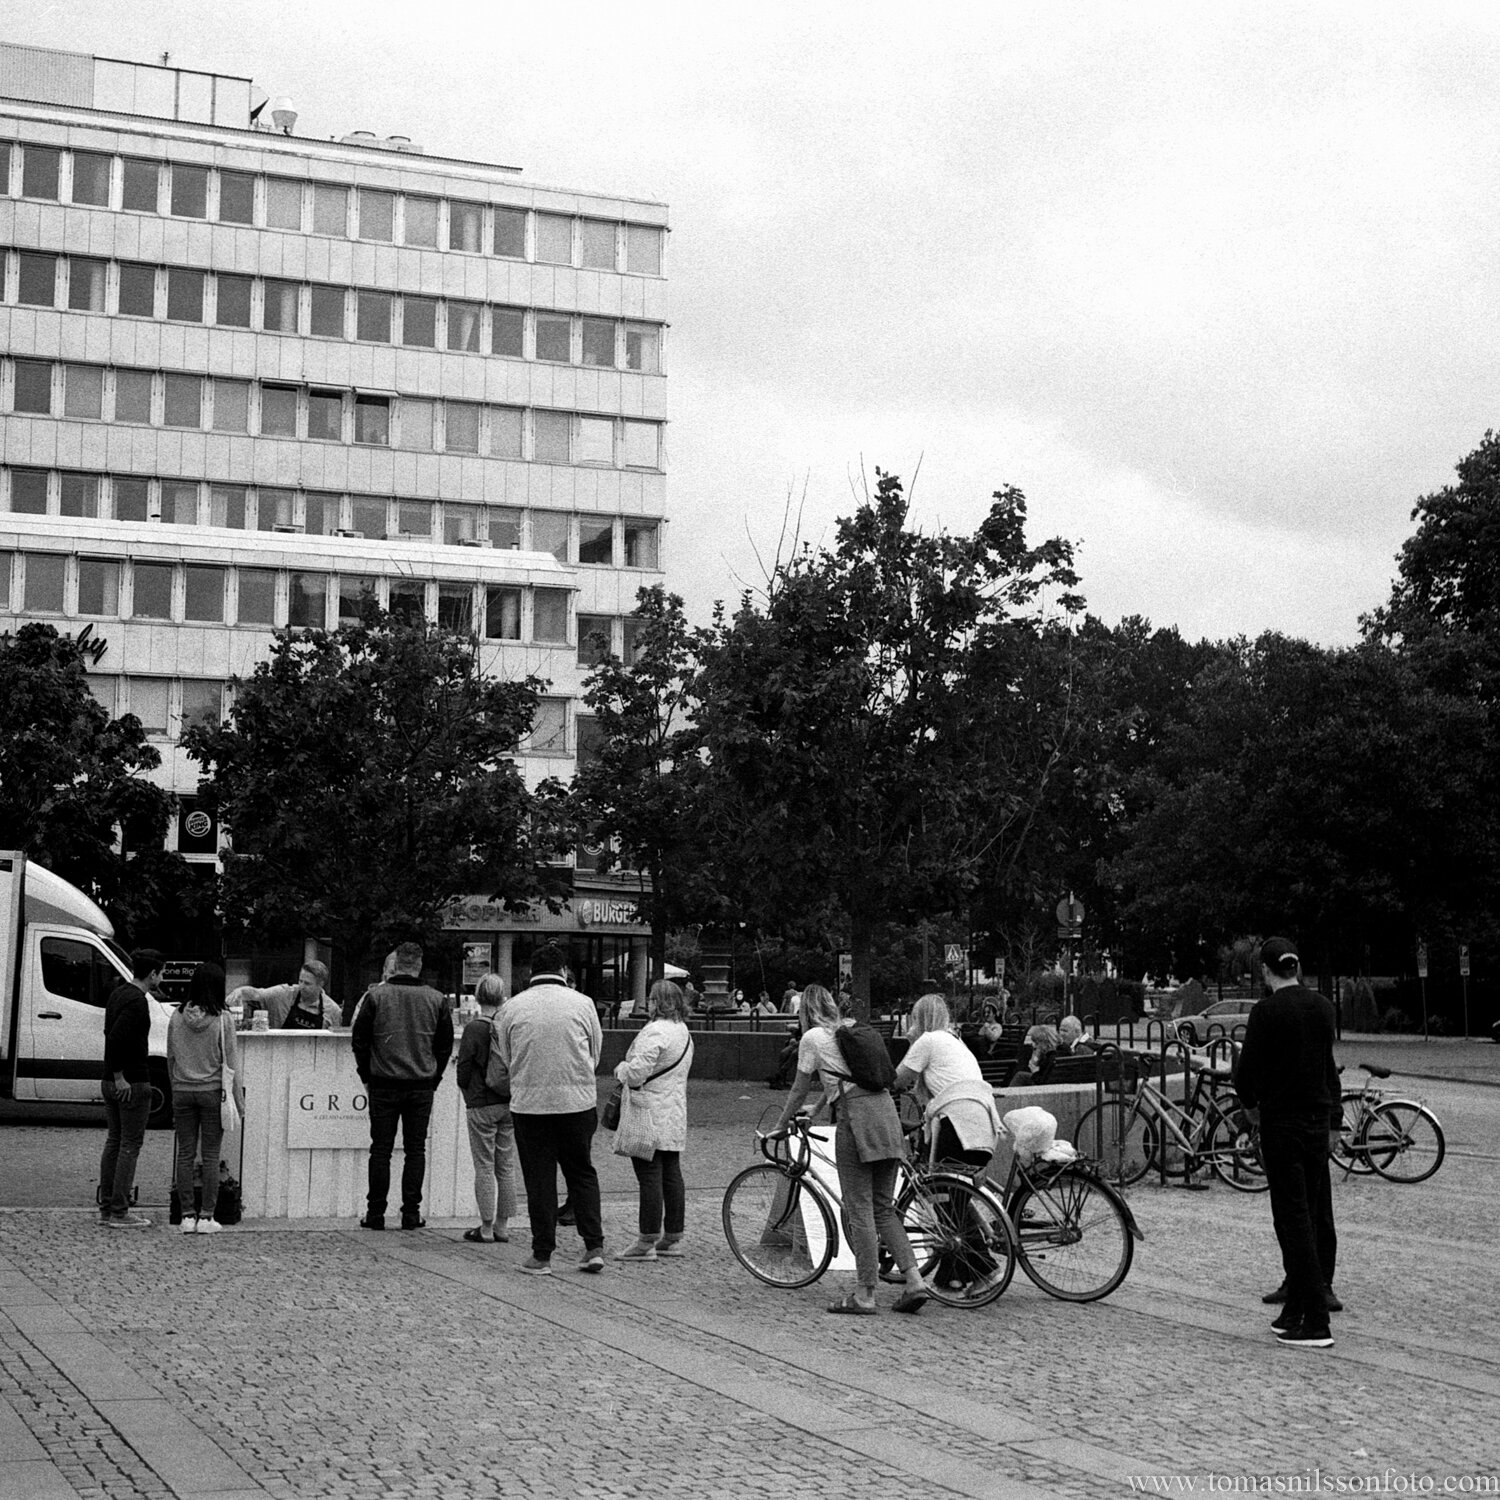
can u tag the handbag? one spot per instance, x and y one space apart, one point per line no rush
229 1114
609 1117
633 1137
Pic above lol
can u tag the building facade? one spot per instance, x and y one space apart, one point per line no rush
247 376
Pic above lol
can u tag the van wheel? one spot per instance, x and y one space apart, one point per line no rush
160 1117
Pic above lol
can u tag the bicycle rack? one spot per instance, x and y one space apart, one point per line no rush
1161 1026
1170 1045
1104 1052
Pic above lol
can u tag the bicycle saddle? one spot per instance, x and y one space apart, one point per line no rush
1376 1071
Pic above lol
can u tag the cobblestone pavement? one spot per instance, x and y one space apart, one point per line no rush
323 1361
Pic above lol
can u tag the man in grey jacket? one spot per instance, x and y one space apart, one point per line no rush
549 1039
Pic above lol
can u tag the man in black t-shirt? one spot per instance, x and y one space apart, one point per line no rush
126 1087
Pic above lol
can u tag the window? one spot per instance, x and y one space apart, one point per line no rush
98 586
106 693
599 342
189 191
421 222
504 527
417 418
596 440
553 431
642 348
510 232
642 250
594 639
642 445
138 185
279 314
377 215
45 573
462 523
506 424
78 495
370 514
327 311
86 280
549 730
233 301
153 591
554 240
640 544
138 290
372 317
28 492
455 608
502 613
204 594
325 416
554 337
183 402
132 499
132 396
509 331
231 406
414 518
307 600
356 595
226 505
179 503
202 703
320 513
278 410
596 540
33 387
257 596
372 420
184 295
549 533
236 198
149 698
274 509
462 427
91 179
83 391
629 629
408 599
40 168
464 231
419 322
463 326
598 244
283 203
36 285
549 616
330 209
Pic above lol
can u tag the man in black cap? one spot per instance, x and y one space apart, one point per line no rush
1287 1078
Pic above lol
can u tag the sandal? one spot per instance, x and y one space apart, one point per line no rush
910 1302
848 1304
476 1236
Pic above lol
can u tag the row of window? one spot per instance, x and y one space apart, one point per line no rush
141 185
181 294
53 583
417 424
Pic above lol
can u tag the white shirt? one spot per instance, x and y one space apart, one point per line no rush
940 1060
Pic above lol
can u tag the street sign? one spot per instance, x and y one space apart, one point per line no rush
1070 911
953 955
1421 960
1463 959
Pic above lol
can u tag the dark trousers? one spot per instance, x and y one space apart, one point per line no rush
1296 1157
195 1116
660 1181
125 1133
546 1143
411 1107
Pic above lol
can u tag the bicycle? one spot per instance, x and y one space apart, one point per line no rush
1400 1139
778 1218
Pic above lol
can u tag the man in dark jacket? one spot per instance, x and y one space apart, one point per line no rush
126 1087
1287 1078
402 1039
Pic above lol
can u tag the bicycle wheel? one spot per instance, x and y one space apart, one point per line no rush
780 1230
964 1244
1404 1141
1120 1139
1349 1153
1233 1149
1073 1235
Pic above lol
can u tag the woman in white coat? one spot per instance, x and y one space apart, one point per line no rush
655 1070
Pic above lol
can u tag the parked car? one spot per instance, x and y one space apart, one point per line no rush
1223 1016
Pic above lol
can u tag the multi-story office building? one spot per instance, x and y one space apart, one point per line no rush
247 375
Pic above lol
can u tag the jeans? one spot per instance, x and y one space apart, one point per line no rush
545 1143
869 1190
124 1135
492 1144
195 1115
411 1106
1296 1156
660 1182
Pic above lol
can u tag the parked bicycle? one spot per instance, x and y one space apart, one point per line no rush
1400 1139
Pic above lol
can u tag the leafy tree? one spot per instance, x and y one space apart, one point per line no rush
366 778
73 789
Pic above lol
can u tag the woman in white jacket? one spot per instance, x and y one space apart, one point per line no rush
656 1071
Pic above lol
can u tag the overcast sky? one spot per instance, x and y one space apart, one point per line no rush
1215 285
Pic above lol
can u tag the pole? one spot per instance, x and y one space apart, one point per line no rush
1426 1034
1466 1007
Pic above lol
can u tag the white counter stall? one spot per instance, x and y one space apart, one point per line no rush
305 1144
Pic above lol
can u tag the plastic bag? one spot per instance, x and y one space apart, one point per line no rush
1032 1130
633 1136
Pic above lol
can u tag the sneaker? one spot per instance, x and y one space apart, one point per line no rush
1331 1300
411 1223
1306 1338
128 1221
209 1226
371 1222
531 1266
670 1249
565 1215
190 1224
1278 1295
641 1250
1286 1320
593 1261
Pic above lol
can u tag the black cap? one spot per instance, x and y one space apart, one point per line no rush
1279 955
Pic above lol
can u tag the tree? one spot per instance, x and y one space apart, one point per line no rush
366 779
73 789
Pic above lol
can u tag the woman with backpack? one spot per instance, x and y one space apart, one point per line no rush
868 1143
492 1134
201 1043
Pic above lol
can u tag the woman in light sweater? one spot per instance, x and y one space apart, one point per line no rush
200 1045
959 1104
656 1068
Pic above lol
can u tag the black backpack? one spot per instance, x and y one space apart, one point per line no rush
866 1056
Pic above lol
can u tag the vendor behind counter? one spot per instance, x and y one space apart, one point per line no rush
304 1006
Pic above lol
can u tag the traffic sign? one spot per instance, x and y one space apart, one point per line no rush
1070 911
1421 960
1463 959
953 955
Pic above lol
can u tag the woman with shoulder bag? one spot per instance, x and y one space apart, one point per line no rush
485 1085
655 1074
201 1045
868 1143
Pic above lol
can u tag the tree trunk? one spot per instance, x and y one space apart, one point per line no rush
861 941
